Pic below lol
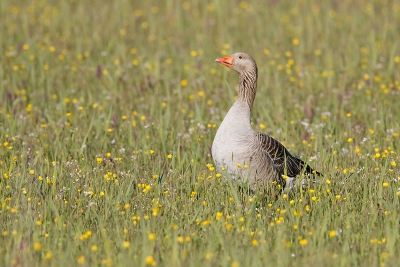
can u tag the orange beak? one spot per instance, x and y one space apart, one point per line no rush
226 61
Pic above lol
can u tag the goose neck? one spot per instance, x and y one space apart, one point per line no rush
248 87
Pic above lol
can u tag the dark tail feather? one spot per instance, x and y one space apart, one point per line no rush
304 167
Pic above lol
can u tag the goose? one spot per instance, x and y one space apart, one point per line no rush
244 154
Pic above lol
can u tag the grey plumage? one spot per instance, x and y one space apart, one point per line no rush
236 144
284 163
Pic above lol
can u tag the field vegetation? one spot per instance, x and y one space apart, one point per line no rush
109 108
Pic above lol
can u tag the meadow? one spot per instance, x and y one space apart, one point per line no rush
108 112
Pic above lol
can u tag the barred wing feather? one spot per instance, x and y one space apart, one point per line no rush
283 161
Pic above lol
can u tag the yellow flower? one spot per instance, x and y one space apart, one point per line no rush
295 41
150 261
126 244
184 83
94 248
254 242
303 242
152 237
262 126
31 172
332 233
48 255
206 222
37 246
385 184
81 260
169 156
373 241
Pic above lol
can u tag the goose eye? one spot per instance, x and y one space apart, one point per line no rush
240 57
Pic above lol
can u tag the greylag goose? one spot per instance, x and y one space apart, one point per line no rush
246 155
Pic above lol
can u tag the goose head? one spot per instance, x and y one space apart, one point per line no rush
239 62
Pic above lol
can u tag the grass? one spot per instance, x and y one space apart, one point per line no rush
109 110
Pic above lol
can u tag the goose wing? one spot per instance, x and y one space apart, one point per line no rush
283 161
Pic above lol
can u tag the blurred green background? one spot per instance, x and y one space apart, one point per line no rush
109 110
